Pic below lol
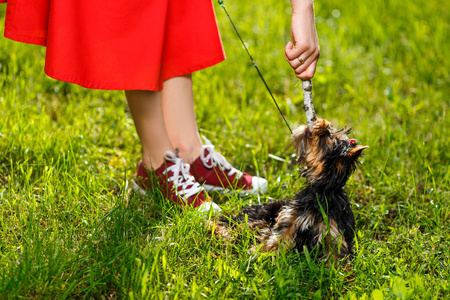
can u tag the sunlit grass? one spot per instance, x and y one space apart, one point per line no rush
71 228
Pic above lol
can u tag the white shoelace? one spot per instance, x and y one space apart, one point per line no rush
181 177
213 159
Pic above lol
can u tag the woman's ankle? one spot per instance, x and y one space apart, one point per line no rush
188 152
152 163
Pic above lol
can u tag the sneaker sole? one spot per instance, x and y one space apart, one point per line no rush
202 209
261 190
138 189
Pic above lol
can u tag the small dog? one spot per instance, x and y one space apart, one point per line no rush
319 217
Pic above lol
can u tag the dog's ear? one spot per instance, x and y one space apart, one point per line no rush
356 151
300 138
321 127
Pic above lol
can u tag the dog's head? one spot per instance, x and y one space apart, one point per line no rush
328 155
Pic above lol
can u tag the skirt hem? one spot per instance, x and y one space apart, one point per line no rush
25 39
130 86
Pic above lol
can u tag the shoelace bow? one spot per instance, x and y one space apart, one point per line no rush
181 177
214 158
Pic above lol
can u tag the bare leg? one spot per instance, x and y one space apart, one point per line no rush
179 117
147 112
166 120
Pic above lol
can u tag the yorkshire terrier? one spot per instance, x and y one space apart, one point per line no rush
319 217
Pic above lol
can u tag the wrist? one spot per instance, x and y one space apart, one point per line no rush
302 4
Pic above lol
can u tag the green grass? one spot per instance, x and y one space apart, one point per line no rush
71 228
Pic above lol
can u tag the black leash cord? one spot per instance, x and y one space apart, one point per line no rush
254 64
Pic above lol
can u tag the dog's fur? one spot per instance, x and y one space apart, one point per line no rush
319 217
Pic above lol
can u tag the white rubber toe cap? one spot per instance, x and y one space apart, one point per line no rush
259 186
207 206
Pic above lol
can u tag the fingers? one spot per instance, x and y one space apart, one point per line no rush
309 72
302 68
302 58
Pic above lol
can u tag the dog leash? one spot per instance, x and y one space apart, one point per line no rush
306 84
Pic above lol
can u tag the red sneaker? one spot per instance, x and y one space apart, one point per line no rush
177 184
217 174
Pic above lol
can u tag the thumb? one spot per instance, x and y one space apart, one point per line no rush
289 46
288 49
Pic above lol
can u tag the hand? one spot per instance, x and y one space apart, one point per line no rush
303 53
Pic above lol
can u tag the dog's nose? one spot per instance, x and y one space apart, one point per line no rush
352 141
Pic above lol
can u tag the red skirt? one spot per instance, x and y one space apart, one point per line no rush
119 44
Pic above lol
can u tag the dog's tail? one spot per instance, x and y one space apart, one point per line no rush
267 212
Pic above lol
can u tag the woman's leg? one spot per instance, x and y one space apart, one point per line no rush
147 112
179 117
177 183
166 121
212 170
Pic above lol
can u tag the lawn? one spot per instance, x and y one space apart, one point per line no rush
70 226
